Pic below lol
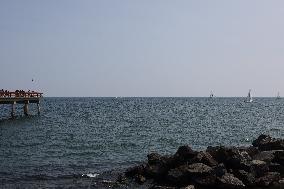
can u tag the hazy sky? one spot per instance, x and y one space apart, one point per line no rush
143 48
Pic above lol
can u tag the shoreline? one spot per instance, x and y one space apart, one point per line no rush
258 166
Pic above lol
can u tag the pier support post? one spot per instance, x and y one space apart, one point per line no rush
13 109
38 108
26 108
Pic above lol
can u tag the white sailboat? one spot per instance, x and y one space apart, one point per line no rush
211 95
249 97
278 96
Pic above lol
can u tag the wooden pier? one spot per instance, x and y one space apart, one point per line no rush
20 97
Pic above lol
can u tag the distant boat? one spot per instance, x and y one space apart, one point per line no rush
211 95
249 97
278 96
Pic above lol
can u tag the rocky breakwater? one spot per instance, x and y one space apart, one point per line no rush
258 166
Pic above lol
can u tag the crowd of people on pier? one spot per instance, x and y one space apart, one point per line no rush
19 93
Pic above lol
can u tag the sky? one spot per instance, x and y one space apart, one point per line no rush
101 48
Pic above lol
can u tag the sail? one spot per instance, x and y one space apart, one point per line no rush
249 97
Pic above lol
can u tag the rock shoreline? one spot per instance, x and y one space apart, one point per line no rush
258 166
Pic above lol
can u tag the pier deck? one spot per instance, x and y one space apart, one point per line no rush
20 97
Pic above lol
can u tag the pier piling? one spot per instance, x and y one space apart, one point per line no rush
38 108
26 108
13 109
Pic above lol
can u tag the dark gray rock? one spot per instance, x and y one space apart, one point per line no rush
229 181
276 167
266 143
259 168
206 158
154 158
205 181
279 157
198 169
184 154
219 170
156 171
266 156
136 170
188 187
219 153
178 175
247 178
252 150
268 179
140 179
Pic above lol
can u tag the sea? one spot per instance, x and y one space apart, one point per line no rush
87 142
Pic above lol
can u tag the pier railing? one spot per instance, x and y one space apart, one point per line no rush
20 94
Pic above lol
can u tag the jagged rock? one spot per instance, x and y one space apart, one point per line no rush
247 178
218 153
238 160
205 181
121 179
266 156
154 158
276 167
266 143
156 171
178 175
252 151
198 169
229 181
188 187
184 154
162 187
279 157
259 168
206 158
219 170
268 179
140 179
158 165
136 170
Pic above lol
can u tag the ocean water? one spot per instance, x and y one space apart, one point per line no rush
96 136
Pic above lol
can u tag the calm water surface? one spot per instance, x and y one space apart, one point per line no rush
75 136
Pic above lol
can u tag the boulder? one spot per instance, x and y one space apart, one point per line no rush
198 169
268 179
188 187
266 156
266 143
229 181
247 178
184 154
206 158
259 168
161 187
252 150
219 170
276 167
178 175
205 181
219 153
140 179
232 157
156 171
154 158
136 170
158 165
279 157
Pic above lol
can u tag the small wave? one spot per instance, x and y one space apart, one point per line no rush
90 175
